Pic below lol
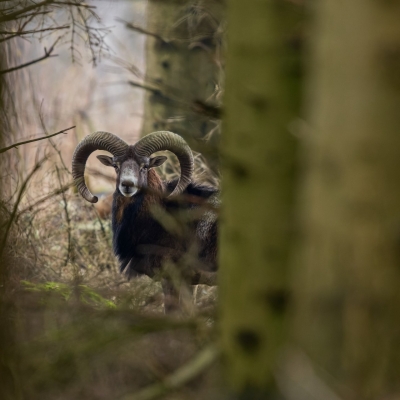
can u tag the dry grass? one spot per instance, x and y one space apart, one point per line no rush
62 239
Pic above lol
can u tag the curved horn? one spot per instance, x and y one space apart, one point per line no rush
95 141
164 140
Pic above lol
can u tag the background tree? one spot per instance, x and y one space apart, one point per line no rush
347 282
7 380
258 153
184 70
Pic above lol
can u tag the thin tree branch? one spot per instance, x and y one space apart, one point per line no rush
153 90
33 30
13 15
16 204
165 40
143 31
51 140
44 198
70 3
32 14
68 219
47 54
90 40
197 106
179 378
161 96
4 149
19 13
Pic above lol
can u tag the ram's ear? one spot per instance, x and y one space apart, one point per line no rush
106 160
157 161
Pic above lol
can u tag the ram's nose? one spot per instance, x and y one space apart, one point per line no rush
127 185
127 188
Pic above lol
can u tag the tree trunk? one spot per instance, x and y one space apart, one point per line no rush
7 309
258 153
183 70
348 296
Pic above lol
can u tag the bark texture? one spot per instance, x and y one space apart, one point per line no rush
258 153
347 285
183 71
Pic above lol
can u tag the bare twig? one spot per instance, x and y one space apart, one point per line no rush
47 54
53 145
68 219
45 198
157 92
136 28
72 46
147 87
21 13
89 37
179 378
30 32
19 33
33 14
103 231
13 15
77 4
197 106
16 204
4 149
208 110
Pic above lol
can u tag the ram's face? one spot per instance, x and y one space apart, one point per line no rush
131 171
131 176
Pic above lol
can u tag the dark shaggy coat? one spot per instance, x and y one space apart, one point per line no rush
150 229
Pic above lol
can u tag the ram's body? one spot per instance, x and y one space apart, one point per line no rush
156 224
150 229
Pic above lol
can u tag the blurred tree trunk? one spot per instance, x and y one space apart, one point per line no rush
258 153
7 384
183 68
348 296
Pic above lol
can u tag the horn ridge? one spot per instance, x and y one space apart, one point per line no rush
165 140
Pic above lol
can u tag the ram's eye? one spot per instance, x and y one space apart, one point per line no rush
115 166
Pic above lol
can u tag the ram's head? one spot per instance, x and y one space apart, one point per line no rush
131 163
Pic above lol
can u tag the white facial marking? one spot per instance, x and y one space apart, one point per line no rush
128 182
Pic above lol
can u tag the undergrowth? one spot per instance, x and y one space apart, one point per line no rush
82 330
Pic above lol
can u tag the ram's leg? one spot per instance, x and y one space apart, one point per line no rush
203 278
177 299
195 289
186 298
171 296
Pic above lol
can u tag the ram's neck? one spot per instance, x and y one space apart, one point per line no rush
155 188
132 217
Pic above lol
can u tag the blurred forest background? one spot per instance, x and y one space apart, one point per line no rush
292 108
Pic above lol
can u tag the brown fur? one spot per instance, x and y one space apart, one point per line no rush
122 202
